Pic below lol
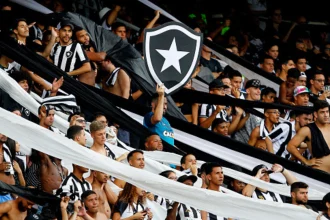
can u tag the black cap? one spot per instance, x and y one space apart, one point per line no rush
260 166
253 83
66 23
217 83
183 178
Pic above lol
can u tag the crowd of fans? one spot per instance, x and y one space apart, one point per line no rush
301 62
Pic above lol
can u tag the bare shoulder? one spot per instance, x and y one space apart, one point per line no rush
6 207
101 216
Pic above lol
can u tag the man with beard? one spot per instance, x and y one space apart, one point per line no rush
15 209
316 137
299 195
67 55
155 120
93 55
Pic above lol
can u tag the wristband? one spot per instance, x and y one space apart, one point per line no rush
282 170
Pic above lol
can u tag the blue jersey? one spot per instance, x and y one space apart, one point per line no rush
162 128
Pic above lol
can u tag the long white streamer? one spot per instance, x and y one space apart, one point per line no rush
242 160
18 94
218 203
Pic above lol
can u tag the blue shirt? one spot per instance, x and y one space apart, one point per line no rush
162 128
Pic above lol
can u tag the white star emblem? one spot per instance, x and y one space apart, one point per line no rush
172 57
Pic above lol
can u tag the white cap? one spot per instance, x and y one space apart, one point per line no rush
103 12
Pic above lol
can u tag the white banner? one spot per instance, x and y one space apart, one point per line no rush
315 191
242 160
222 204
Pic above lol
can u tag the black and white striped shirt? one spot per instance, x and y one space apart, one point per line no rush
211 216
280 137
207 110
68 58
186 212
75 185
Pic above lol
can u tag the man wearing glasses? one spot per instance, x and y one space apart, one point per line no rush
210 112
317 87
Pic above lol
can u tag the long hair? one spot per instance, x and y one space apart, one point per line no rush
128 193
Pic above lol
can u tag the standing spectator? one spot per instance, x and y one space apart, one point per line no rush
165 203
220 126
262 172
6 168
317 82
215 177
286 63
116 80
268 95
316 137
249 122
207 61
236 83
179 211
15 209
299 195
131 203
209 112
44 171
75 182
67 55
189 110
119 29
326 206
93 55
189 164
153 142
135 159
287 87
99 181
155 120
91 204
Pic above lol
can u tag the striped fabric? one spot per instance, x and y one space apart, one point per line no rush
63 103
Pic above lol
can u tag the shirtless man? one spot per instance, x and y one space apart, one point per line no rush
116 81
91 202
52 173
316 136
99 181
287 87
15 209
84 39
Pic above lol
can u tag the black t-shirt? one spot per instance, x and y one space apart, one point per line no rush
212 64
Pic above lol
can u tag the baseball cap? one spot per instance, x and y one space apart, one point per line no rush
253 83
217 83
300 90
66 23
302 74
103 12
260 166
183 178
